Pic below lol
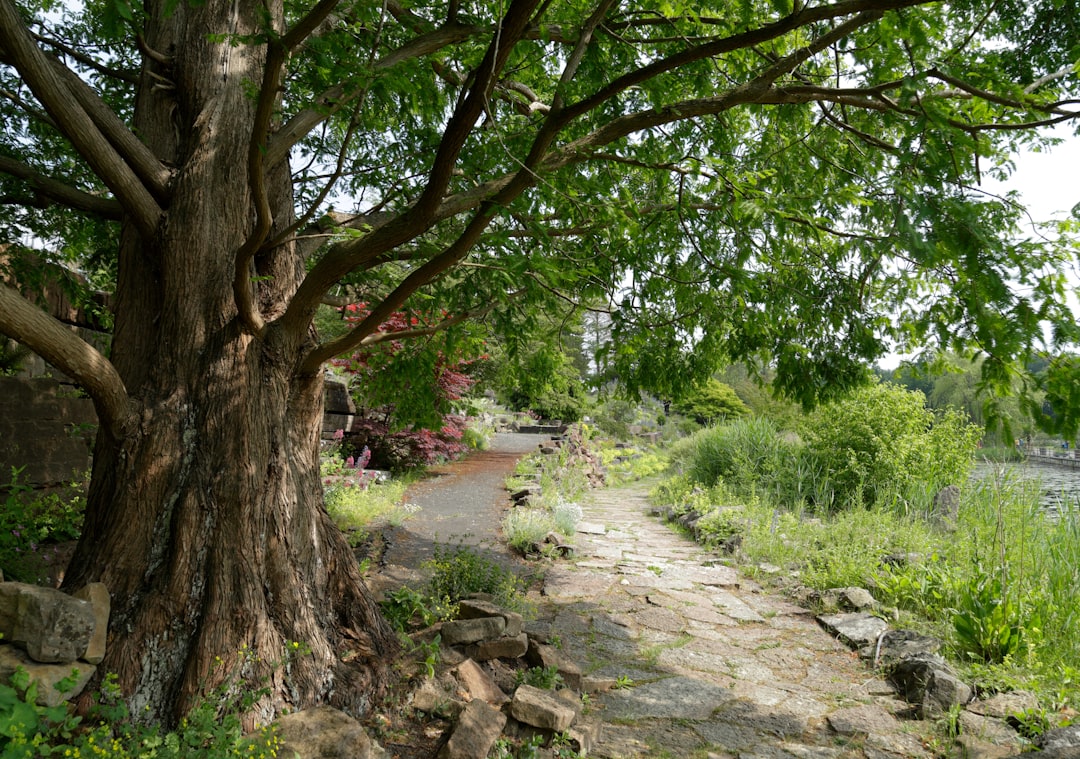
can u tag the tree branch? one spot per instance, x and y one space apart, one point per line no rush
420 216
58 192
61 347
134 152
51 90
337 97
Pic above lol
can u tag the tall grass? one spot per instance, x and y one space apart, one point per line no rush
1006 565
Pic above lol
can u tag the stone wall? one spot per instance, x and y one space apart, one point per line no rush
46 429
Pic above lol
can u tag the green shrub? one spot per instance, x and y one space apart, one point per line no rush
354 507
746 455
882 445
31 526
458 572
711 403
525 527
212 730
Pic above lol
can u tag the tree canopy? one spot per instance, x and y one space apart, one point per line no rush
797 183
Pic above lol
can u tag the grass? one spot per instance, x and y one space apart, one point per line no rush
1002 541
354 509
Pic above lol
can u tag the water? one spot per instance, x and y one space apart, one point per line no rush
1060 485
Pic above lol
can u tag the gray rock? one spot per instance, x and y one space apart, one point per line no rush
988 729
1061 738
897 645
928 683
476 608
477 730
856 629
862 720
946 507
462 631
478 684
670 698
46 676
325 733
1005 705
973 747
499 648
849 599
541 655
51 626
541 708
98 596
436 697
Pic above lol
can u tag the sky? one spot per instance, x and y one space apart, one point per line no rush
1049 181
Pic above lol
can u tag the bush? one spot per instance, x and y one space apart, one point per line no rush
882 445
711 403
745 455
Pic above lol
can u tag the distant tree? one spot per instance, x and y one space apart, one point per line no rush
711 403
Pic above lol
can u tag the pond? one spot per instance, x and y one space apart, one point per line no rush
1060 484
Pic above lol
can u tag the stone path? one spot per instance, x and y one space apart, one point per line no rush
719 668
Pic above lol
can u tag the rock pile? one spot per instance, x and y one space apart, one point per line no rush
485 652
53 636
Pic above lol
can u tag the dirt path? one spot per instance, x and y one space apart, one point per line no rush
460 503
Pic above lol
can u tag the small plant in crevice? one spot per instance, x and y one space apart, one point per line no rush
547 678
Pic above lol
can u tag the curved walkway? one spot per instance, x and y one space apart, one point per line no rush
717 666
687 657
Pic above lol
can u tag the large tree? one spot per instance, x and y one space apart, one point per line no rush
787 181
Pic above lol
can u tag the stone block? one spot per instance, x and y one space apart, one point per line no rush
476 608
98 596
856 629
325 733
46 676
479 726
499 648
541 708
478 684
50 625
545 656
463 631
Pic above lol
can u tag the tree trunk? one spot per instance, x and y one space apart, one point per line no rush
206 520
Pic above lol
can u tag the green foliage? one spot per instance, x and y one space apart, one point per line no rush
31 525
547 678
12 356
545 381
882 445
525 527
458 572
745 455
711 403
354 507
1000 588
990 625
212 730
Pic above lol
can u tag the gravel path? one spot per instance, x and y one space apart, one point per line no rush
461 503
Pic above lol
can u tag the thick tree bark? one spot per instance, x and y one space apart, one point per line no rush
205 516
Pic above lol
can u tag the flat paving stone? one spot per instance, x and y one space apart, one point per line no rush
671 698
562 583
